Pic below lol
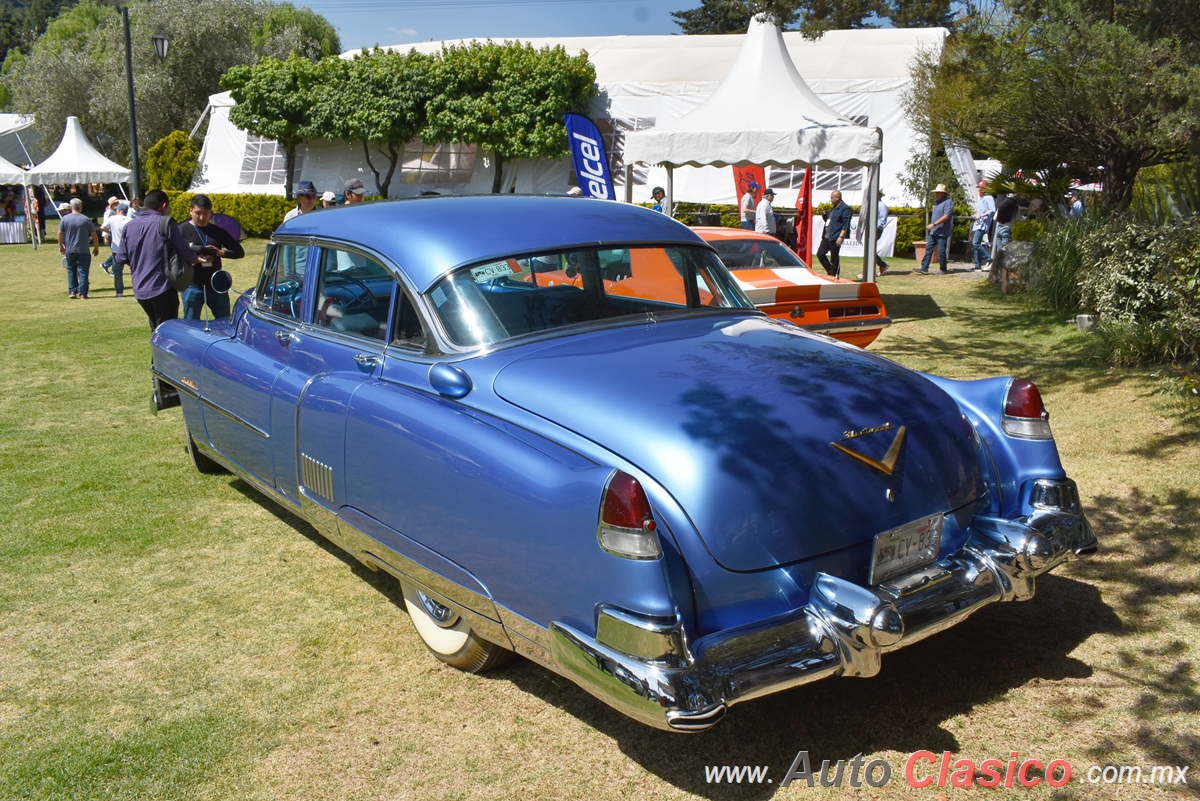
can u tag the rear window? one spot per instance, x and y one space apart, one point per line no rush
500 299
755 254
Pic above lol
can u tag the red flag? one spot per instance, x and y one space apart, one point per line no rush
804 220
742 176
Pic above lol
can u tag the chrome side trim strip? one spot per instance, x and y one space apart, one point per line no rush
191 393
524 627
871 324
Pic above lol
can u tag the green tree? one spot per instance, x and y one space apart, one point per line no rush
285 30
1043 85
920 13
77 67
733 16
274 100
171 162
508 99
378 99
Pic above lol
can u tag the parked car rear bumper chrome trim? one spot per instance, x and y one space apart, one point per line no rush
843 630
870 323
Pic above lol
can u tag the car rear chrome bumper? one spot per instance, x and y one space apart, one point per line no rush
843 630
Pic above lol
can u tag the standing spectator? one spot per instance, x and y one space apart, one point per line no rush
75 232
306 201
39 209
114 227
135 207
837 231
764 215
144 250
215 242
881 218
749 205
354 191
985 212
1076 200
1006 215
109 210
939 231
657 196
328 200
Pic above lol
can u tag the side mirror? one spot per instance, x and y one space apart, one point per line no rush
221 281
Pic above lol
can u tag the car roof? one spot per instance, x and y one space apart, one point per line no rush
713 234
429 237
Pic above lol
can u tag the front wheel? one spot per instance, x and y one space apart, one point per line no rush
448 635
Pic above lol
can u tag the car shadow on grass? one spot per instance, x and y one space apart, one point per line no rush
1001 648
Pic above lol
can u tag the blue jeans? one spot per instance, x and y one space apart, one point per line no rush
193 302
78 266
982 253
748 225
1003 235
942 243
119 277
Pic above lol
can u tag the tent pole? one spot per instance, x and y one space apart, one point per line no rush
871 209
628 183
670 209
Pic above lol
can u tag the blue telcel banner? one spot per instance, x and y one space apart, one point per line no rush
591 163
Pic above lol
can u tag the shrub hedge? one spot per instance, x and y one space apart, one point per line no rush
259 215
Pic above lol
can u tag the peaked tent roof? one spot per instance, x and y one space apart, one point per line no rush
75 161
10 173
762 113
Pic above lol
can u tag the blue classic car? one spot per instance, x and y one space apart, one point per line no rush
568 434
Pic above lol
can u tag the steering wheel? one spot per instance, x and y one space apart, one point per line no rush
364 297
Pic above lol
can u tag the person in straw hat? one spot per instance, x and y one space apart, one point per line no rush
939 231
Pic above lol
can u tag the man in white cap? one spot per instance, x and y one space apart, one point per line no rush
939 231
328 200
109 211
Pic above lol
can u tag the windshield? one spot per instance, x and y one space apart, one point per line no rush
497 300
755 254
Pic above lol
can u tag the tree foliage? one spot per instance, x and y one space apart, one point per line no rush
509 99
77 67
1056 86
814 17
275 100
171 162
377 100
23 21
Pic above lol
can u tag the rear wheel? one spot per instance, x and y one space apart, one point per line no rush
202 462
448 635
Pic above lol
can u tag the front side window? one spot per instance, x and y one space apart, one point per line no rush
354 294
755 254
281 288
500 299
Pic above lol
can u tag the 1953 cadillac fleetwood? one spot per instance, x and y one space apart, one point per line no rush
561 425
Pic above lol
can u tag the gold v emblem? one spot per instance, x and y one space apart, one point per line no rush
888 463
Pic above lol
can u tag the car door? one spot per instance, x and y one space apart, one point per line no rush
238 376
340 347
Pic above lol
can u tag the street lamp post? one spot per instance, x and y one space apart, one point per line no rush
160 49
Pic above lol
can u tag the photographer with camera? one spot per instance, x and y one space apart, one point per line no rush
208 241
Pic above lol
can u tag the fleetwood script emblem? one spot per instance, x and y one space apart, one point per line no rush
886 464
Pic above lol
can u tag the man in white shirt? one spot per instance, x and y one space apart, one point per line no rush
764 215
109 211
985 212
113 226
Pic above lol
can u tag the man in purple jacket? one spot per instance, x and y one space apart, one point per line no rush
143 250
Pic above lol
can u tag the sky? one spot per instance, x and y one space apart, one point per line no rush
363 23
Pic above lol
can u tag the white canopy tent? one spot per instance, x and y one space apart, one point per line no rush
16 135
10 173
763 114
75 161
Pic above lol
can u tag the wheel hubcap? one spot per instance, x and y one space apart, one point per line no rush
444 616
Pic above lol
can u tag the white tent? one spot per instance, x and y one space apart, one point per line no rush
10 173
763 113
644 82
75 161
16 134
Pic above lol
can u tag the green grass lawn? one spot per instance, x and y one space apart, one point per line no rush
168 635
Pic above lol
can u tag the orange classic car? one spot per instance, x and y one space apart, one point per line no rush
780 284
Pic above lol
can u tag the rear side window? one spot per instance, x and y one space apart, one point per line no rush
281 287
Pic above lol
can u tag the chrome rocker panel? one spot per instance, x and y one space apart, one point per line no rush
843 630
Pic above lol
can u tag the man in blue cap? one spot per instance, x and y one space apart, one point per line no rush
306 200
749 205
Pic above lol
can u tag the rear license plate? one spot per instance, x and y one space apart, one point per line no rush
905 548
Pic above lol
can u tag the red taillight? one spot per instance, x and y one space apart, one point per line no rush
1024 400
625 504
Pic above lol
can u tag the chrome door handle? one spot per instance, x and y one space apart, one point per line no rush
284 336
366 359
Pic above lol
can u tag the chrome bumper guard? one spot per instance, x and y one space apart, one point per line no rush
843 630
